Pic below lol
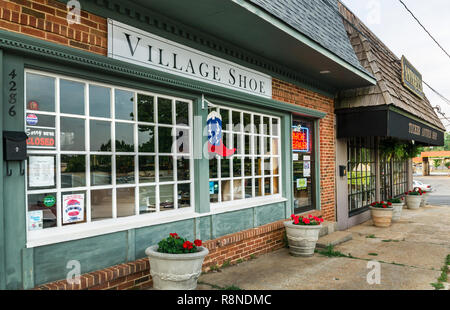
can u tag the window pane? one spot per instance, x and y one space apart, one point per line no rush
225 168
145 108
73 171
184 195
99 101
124 169
71 97
125 201
164 111
183 169
247 123
40 92
100 136
225 119
42 211
266 145
275 131
226 191
247 144
237 189
257 123
101 204
275 142
146 139
72 134
165 168
248 166
258 165
146 169
182 140
41 120
275 168
237 167
124 137
147 199
213 162
267 186
237 143
165 141
166 197
182 113
276 185
258 187
248 188
266 126
124 104
100 170
266 166
213 191
237 125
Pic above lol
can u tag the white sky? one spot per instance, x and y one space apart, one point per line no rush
393 25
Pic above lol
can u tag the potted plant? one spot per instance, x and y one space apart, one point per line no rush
381 213
302 234
397 204
413 199
176 263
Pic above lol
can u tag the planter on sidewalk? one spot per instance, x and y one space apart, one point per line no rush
413 200
302 234
424 198
397 205
179 269
381 213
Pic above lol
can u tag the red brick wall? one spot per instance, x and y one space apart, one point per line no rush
46 19
290 93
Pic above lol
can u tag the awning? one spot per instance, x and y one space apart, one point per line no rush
386 121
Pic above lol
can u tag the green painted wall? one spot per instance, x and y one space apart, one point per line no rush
26 268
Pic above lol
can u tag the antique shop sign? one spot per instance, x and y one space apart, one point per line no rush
411 78
142 48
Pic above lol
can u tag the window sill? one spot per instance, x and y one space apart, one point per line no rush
230 206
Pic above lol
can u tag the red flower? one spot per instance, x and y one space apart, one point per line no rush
384 206
198 242
293 216
174 235
389 203
310 216
306 221
296 221
187 245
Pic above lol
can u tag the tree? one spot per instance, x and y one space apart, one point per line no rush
437 163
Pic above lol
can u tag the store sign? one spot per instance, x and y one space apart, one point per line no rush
300 139
41 138
142 48
411 78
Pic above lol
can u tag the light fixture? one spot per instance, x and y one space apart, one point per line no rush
325 72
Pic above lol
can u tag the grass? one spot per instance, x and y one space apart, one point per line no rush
390 240
373 254
330 252
439 285
371 236
232 288
226 263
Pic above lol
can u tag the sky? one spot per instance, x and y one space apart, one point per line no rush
398 30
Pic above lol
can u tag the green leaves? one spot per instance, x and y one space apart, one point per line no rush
175 245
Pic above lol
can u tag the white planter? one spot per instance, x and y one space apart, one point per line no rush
302 239
413 201
397 213
175 271
381 217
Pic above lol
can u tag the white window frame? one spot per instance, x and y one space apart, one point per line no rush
91 228
254 200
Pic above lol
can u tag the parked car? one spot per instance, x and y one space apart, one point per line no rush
422 186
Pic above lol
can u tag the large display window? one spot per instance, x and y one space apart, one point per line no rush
100 152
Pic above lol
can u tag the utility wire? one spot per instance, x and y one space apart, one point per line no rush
387 53
412 14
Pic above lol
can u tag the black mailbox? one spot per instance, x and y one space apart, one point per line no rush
15 145
342 171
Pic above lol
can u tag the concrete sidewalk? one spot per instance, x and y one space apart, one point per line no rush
411 253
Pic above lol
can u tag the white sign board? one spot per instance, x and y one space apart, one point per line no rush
73 208
142 48
41 171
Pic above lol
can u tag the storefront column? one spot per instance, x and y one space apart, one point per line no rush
2 219
410 174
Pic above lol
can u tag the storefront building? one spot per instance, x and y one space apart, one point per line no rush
374 118
144 119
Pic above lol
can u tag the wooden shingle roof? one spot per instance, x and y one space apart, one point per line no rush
376 58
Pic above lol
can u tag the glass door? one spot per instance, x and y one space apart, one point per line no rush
303 165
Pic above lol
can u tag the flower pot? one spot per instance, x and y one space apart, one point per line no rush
397 213
413 201
302 239
381 217
175 271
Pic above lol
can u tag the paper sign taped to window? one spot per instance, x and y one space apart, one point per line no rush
35 220
41 171
302 183
307 169
73 208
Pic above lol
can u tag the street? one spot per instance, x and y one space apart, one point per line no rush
441 185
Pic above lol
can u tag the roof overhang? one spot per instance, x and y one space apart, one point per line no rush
386 121
247 26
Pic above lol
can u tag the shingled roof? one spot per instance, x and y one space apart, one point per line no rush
376 58
317 19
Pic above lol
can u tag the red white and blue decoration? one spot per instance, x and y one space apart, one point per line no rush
32 119
215 135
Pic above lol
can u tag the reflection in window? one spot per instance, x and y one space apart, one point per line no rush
124 104
146 139
146 169
124 169
184 195
124 137
100 137
147 199
125 201
72 97
166 197
99 101
145 108
165 168
72 134
182 109
73 171
101 204
164 111
40 92
100 170
165 141
183 169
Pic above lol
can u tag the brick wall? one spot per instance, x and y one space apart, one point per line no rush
46 19
290 93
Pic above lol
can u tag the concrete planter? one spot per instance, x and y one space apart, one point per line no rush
413 201
175 271
423 203
381 217
397 213
302 239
